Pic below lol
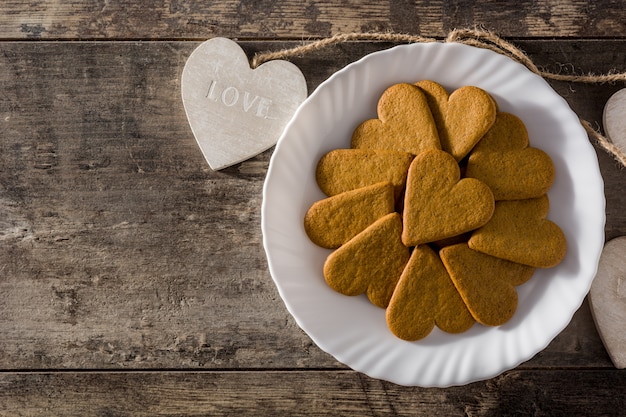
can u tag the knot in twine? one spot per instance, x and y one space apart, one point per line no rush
472 37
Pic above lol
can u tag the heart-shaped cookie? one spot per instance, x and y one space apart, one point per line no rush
505 162
342 170
462 117
519 232
438 204
333 221
404 123
424 297
486 284
236 112
369 263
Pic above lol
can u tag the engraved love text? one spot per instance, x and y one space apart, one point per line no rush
247 102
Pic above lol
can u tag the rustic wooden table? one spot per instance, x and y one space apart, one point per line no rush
133 280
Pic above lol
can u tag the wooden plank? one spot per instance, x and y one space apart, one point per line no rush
116 227
122 249
308 393
288 19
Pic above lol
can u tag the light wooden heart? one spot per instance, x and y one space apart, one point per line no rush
236 112
614 118
608 300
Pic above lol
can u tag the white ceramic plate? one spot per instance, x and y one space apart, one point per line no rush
353 330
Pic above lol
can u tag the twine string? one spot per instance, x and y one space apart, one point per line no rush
259 59
471 37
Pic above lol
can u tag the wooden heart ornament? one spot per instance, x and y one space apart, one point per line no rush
614 119
505 162
236 112
608 300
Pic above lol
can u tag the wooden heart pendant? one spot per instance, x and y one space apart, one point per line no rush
614 120
608 300
236 112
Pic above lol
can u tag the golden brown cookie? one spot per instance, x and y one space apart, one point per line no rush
519 232
486 284
333 221
404 123
450 255
505 162
438 204
462 117
462 238
369 263
424 297
342 170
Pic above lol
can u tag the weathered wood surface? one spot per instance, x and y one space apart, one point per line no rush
121 250
306 393
246 19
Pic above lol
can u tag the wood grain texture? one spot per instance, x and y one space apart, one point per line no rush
106 195
306 393
247 19
122 249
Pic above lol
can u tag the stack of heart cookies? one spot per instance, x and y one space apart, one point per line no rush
437 211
